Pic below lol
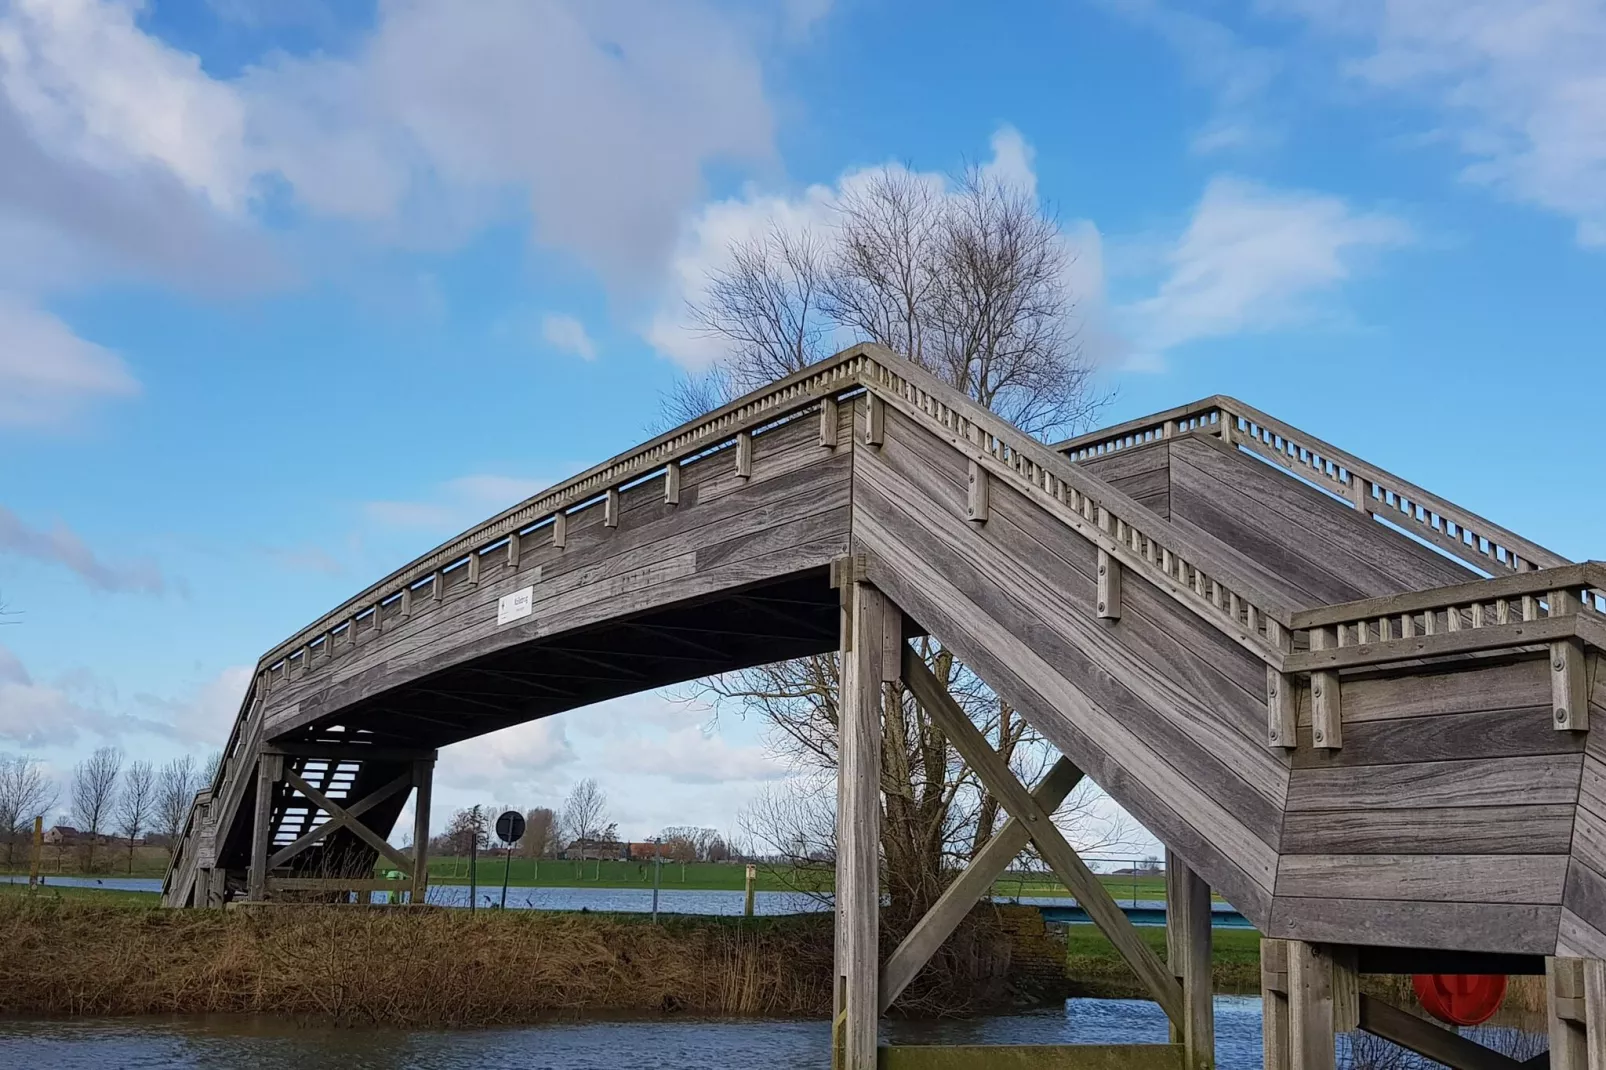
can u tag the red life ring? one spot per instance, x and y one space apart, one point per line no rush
1460 998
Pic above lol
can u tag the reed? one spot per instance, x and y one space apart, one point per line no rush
430 966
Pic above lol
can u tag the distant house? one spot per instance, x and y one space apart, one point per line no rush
586 849
62 836
644 852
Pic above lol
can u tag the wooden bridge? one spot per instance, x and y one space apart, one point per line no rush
1355 710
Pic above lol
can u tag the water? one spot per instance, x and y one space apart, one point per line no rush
116 884
680 1043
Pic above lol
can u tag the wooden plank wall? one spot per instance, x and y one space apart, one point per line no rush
1445 820
1160 709
1583 919
792 514
1328 551
1141 472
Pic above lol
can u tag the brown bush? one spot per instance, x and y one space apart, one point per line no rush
432 966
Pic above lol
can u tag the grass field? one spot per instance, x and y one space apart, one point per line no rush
714 876
1093 964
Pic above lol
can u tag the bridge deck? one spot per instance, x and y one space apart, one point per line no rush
1453 814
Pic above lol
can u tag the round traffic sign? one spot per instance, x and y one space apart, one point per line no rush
1460 998
510 826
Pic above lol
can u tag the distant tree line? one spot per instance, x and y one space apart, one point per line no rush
109 803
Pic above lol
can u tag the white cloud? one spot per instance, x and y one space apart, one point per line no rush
206 715
48 375
91 84
1255 259
36 713
601 117
568 334
125 158
1520 85
62 546
512 763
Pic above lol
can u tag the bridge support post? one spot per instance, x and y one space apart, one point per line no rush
1188 952
269 769
871 635
423 781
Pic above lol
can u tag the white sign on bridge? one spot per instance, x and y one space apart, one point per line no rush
515 606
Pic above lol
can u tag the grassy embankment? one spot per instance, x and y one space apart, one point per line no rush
78 955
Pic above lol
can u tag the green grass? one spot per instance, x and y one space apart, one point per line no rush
95 895
1098 970
721 876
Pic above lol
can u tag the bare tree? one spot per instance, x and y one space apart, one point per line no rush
209 770
25 793
175 794
539 828
586 811
966 279
469 827
94 789
136 804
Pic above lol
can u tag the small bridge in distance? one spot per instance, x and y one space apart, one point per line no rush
1358 712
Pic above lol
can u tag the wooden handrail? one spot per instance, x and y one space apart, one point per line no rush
1471 538
1512 611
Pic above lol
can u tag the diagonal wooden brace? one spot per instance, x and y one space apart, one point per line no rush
1090 894
339 815
970 886
338 820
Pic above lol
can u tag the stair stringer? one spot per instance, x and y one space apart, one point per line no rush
1161 709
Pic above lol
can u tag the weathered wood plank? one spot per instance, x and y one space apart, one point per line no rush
651 531
1311 1037
1430 1040
1486 734
1026 552
1065 715
1520 928
858 888
1495 637
1527 878
1506 684
1027 595
1533 780
1487 830
1338 545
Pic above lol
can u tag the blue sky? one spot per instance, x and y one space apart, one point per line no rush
291 292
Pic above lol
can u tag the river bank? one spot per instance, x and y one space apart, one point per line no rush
420 967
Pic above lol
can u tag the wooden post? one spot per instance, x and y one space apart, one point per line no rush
268 769
858 886
38 849
828 423
672 483
752 878
977 499
1326 706
1564 1008
1312 1040
423 781
1274 1004
744 455
1188 950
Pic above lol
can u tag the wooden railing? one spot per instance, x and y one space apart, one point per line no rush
1459 532
719 428
1519 610
1231 594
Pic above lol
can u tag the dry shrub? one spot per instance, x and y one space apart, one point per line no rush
430 966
